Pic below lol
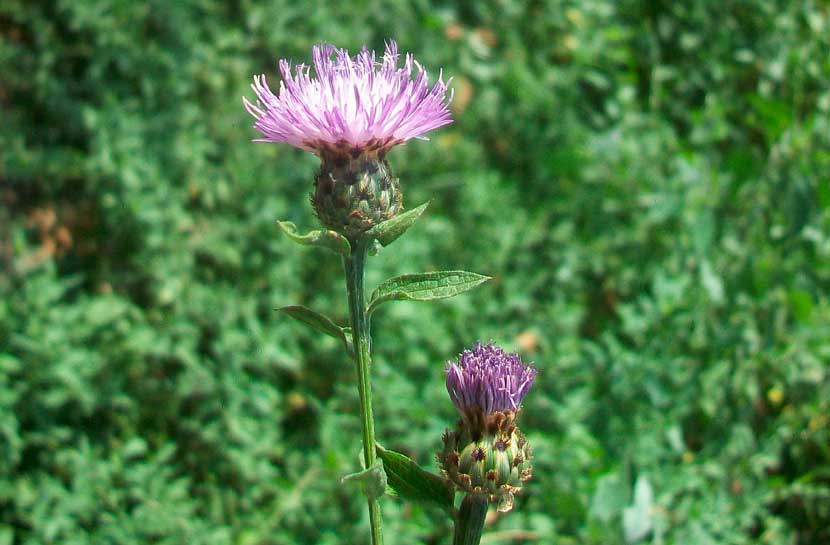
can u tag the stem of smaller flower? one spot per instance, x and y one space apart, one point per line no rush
354 266
470 521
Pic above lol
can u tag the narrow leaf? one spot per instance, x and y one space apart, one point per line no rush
425 286
387 231
323 238
407 480
320 322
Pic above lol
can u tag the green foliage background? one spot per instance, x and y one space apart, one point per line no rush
646 181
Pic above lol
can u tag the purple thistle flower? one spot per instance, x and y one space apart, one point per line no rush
488 379
354 104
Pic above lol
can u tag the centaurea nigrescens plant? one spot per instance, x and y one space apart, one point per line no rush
350 113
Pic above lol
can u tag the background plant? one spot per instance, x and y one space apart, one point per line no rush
646 182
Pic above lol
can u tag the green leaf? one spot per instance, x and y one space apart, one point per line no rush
387 231
801 303
610 498
425 287
407 480
320 322
373 480
323 238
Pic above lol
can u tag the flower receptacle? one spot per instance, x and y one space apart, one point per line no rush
353 194
494 462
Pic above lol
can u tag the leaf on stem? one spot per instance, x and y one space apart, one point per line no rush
425 287
387 231
409 481
323 238
373 480
320 322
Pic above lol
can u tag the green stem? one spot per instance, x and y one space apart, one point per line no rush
354 267
470 521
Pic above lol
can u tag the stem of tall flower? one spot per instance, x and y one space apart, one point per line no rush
354 267
470 521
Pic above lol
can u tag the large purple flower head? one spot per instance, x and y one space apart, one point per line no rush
489 379
351 104
350 113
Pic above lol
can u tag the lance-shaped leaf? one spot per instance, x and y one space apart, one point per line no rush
409 481
320 322
386 232
323 238
425 287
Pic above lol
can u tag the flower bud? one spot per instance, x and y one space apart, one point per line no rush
354 192
487 454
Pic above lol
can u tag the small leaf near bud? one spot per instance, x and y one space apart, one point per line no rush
323 238
409 481
389 230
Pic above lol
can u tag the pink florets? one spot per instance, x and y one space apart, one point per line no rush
489 379
352 104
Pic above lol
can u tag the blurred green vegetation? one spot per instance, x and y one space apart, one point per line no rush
647 181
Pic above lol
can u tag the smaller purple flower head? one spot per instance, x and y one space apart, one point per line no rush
351 104
488 379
